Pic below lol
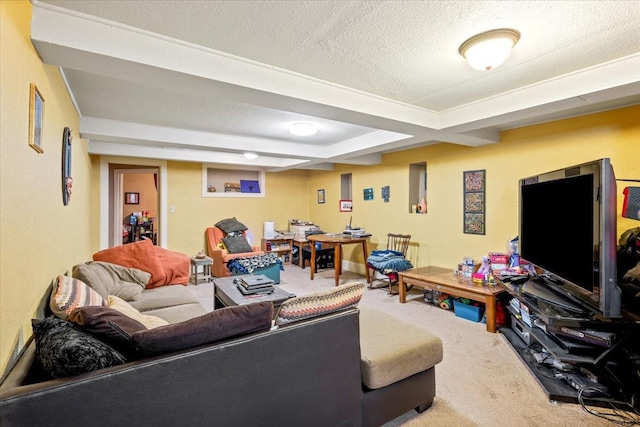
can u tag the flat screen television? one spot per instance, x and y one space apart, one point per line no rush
567 229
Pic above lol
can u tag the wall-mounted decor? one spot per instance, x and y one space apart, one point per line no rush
231 187
249 186
321 196
67 180
36 118
131 198
346 206
386 193
368 193
474 186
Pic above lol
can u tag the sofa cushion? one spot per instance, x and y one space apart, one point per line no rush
236 244
164 296
392 350
111 279
214 326
125 308
69 293
230 225
65 351
108 325
339 298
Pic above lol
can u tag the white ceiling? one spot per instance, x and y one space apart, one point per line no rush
206 81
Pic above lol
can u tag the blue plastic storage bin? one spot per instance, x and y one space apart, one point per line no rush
467 311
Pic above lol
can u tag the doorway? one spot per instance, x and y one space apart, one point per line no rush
145 181
135 204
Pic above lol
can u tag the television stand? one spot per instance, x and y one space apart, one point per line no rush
610 363
556 388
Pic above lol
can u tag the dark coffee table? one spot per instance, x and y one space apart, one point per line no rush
226 294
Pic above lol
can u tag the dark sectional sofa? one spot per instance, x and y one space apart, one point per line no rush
350 368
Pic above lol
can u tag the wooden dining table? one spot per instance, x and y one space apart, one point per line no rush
336 241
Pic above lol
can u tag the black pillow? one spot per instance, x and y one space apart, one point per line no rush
236 244
214 326
230 225
65 351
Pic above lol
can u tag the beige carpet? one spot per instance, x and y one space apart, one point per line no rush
480 382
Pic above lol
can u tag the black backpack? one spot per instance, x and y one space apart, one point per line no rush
628 251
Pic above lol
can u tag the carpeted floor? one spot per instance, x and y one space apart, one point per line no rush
480 382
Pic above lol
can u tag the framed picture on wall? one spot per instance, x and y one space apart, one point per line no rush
321 196
36 118
474 188
346 206
131 198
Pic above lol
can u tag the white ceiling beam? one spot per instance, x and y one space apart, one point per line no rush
556 94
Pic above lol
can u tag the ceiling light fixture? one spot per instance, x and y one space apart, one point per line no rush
487 50
251 156
303 129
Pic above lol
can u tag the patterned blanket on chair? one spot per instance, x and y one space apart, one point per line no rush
387 260
249 264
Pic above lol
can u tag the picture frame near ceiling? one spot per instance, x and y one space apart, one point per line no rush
346 205
474 193
67 180
36 118
131 198
321 196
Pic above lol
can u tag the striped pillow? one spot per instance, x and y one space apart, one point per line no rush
305 307
69 293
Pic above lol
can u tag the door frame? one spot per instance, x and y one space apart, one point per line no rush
110 197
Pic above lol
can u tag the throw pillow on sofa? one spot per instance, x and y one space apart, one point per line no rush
236 244
166 267
127 309
109 326
340 298
231 225
65 351
111 279
211 327
69 293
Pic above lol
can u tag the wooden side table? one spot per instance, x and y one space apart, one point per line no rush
206 264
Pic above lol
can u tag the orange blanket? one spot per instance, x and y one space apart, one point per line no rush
166 267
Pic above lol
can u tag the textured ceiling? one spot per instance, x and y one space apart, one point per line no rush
370 73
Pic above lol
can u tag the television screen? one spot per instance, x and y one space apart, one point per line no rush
568 230
557 228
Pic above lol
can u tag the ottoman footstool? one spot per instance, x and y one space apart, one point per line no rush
398 366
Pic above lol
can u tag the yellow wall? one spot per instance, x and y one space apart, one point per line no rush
285 199
437 237
39 236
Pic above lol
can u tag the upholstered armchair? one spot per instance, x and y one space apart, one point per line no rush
222 256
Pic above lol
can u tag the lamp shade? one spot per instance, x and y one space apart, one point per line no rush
487 50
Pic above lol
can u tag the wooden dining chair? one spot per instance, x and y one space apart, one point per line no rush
397 243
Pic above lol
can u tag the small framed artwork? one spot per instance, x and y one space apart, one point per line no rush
346 206
131 198
368 193
36 118
321 196
473 194
474 180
